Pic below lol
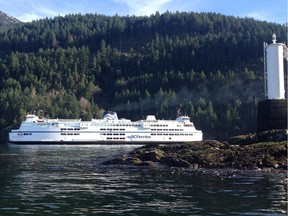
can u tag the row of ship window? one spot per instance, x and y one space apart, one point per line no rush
64 134
114 134
116 125
152 129
123 129
160 129
70 129
152 134
109 129
188 125
40 124
130 125
25 134
114 138
159 134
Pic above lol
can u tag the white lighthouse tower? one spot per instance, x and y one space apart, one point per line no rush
272 112
274 55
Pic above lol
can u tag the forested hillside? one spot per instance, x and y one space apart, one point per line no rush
207 64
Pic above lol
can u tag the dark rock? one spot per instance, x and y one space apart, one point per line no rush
113 161
174 162
239 152
123 161
132 161
147 164
214 144
243 139
273 136
153 154
195 166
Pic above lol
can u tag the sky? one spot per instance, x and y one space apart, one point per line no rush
29 10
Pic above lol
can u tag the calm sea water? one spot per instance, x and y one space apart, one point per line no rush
70 180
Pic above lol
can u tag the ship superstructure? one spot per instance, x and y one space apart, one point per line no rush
109 129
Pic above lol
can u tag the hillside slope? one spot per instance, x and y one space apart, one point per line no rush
207 64
6 20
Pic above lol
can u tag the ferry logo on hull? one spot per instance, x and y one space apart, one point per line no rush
139 137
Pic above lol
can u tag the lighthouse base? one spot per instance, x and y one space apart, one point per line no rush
272 114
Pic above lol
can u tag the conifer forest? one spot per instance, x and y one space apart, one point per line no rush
207 64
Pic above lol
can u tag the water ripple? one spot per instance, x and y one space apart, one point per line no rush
67 180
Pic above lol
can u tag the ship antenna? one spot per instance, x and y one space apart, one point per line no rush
178 112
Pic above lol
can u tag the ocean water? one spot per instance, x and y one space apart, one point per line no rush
70 180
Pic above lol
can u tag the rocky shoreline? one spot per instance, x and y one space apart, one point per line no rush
262 151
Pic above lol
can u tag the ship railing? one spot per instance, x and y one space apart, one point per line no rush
69 120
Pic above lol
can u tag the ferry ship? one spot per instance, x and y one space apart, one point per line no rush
108 130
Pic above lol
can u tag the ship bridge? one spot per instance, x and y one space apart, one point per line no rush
184 119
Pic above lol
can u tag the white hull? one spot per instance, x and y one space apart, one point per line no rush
104 131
